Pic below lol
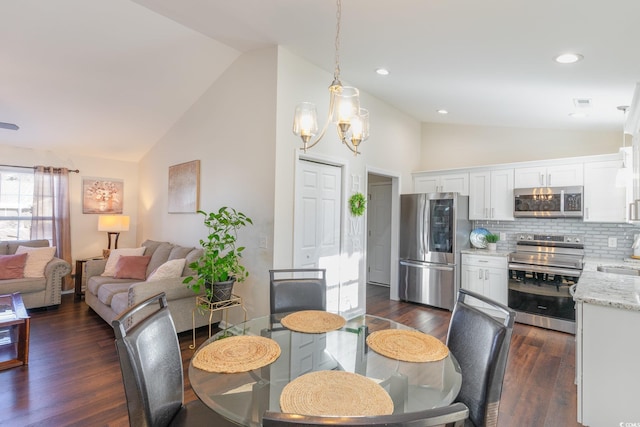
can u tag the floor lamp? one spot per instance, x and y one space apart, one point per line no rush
113 225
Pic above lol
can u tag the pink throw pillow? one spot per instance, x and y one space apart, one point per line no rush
12 266
132 267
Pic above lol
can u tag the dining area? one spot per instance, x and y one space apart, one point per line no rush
302 366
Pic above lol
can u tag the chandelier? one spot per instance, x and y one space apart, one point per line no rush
352 122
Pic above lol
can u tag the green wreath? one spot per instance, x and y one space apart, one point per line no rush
357 202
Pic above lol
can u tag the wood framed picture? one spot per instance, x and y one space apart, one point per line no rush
184 187
102 195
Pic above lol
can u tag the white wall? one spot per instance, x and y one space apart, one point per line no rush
451 146
86 240
393 146
231 130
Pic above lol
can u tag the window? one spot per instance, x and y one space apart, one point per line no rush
16 203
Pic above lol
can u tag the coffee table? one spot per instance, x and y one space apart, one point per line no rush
14 331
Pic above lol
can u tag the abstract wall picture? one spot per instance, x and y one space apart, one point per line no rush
184 187
102 195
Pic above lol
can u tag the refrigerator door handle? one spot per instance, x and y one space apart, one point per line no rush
444 267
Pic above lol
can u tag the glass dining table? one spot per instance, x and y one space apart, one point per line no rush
243 397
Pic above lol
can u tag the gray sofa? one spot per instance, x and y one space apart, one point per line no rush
36 291
109 296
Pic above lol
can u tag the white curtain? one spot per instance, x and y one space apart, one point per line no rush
50 218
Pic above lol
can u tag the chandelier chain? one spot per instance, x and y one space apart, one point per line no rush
336 73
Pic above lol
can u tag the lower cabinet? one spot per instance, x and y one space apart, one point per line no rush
607 374
487 275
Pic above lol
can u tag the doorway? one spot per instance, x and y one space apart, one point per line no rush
379 230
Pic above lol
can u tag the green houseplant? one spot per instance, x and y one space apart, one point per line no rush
219 266
492 240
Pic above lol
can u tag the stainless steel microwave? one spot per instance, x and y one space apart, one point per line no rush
548 202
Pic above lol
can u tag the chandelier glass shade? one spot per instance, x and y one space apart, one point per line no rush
352 122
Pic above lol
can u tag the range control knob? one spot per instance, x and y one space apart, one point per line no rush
577 240
529 236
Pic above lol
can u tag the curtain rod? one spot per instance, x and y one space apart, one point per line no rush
46 167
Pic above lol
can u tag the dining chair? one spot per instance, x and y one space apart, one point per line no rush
453 415
298 289
480 342
151 365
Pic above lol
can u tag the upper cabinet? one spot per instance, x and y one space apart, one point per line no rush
550 176
604 196
441 183
491 195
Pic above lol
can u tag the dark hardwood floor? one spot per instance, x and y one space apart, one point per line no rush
73 377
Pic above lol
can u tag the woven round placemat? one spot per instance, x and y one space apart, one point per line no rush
337 393
408 346
313 321
237 354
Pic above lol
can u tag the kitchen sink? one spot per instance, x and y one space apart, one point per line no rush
620 269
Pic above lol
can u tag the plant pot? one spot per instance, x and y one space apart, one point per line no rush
220 291
492 246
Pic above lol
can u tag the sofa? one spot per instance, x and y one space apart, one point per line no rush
109 295
36 291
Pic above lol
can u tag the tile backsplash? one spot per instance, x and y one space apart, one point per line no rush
596 235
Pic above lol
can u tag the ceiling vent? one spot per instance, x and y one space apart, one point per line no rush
581 103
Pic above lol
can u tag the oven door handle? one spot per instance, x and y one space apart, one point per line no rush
545 269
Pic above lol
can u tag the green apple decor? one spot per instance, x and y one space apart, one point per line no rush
357 203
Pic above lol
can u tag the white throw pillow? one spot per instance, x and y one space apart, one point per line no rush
37 259
169 270
114 256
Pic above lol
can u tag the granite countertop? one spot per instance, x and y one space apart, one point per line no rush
485 252
609 289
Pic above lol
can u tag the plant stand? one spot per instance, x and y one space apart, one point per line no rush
203 303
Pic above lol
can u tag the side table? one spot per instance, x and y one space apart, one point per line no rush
14 330
203 304
78 275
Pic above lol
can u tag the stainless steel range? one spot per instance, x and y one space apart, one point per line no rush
541 272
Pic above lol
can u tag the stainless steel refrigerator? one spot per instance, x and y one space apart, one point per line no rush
434 228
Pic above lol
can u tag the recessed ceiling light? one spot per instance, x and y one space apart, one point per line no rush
568 58
382 71
442 111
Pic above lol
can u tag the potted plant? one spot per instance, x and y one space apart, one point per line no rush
219 266
492 240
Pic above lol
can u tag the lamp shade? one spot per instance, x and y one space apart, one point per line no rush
113 223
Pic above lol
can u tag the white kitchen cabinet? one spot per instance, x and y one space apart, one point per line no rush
604 201
486 275
607 374
491 195
549 176
441 183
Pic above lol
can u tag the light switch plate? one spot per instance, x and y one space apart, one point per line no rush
613 242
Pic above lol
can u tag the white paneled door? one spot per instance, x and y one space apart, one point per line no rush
379 241
317 223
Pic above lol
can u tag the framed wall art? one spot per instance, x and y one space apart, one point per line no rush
184 187
102 195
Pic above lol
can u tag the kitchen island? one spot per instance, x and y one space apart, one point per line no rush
607 345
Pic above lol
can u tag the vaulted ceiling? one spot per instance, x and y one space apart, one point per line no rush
109 78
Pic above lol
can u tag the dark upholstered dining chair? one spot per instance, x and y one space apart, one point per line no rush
447 416
152 373
480 342
298 289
